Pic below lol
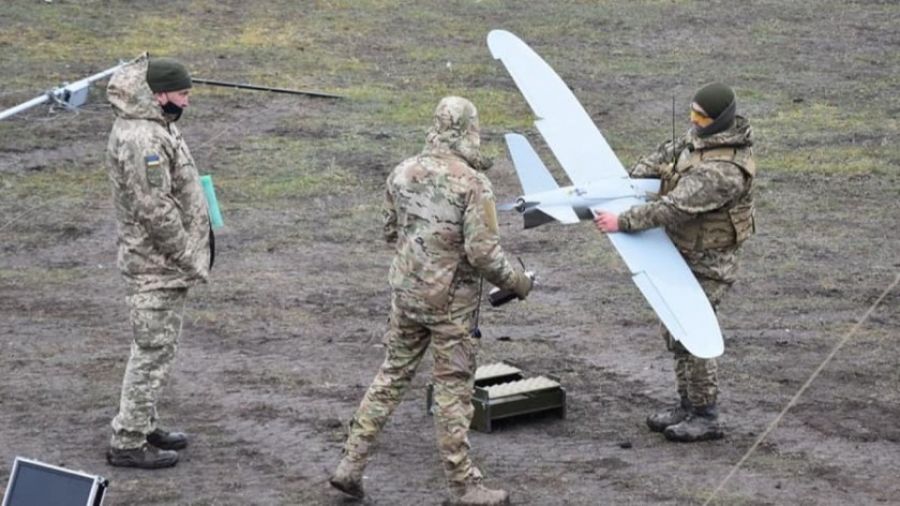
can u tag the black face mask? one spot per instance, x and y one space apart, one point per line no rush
172 111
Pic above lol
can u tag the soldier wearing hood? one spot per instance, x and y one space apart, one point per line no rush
439 213
163 241
706 206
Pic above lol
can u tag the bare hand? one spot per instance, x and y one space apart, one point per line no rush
607 222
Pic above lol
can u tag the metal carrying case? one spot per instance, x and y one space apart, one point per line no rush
34 483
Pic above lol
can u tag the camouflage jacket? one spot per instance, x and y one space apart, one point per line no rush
706 201
440 214
163 225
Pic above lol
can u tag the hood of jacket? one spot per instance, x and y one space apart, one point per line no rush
455 131
130 95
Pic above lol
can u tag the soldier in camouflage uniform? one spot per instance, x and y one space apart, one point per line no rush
439 212
706 207
163 241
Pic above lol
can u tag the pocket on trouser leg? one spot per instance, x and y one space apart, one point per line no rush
156 317
155 328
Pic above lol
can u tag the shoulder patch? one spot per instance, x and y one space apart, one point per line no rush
154 170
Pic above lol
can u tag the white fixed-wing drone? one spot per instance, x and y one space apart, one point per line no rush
600 182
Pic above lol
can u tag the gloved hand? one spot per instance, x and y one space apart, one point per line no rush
524 283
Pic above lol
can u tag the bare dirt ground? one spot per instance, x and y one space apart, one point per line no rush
279 347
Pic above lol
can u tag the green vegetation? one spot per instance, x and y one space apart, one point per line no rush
47 277
70 181
394 79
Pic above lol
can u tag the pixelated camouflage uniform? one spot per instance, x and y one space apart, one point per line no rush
706 207
439 211
163 241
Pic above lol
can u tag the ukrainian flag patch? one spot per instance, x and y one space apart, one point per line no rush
155 176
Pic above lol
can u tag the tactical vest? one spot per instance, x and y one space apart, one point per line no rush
728 226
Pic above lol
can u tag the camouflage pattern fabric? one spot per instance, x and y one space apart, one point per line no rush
439 212
453 350
156 318
697 378
163 222
704 191
695 190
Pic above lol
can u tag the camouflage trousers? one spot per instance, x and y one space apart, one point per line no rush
697 378
453 350
156 319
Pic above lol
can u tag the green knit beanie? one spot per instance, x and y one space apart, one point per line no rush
166 74
714 98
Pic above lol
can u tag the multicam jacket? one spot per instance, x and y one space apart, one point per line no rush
706 198
163 233
440 213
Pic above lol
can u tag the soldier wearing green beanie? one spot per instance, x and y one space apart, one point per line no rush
715 101
706 207
170 83
164 247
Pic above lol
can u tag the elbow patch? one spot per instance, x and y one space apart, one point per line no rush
490 216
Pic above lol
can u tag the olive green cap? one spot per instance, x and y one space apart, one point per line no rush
166 74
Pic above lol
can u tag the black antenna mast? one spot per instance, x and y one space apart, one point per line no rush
673 129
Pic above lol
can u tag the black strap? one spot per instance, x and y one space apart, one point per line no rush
212 247
475 331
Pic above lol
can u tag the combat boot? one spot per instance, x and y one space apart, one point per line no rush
472 492
165 440
658 422
702 424
145 457
348 477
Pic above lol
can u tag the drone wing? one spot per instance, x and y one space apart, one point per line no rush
574 139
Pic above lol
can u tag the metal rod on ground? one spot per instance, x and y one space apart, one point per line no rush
266 88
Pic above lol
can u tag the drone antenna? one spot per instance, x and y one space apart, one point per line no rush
673 128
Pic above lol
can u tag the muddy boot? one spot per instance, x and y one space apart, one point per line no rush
145 457
165 440
472 492
348 477
658 422
702 424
